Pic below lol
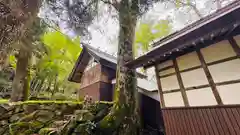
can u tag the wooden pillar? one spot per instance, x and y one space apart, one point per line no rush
159 87
182 88
234 45
209 78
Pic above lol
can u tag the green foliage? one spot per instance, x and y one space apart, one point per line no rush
12 60
5 101
147 33
24 128
61 55
54 66
47 131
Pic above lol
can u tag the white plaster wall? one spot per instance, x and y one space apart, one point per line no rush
230 94
237 38
165 64
168 71
201 97
218 51
169 83
194 78
226 71
173 99
188 60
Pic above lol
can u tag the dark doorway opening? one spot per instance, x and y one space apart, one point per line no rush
151 116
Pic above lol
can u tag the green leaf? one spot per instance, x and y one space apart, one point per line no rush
57 63
147 33
12 60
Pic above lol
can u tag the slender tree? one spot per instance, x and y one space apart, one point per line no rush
20 86
21 82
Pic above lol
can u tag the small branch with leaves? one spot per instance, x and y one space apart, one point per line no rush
114 3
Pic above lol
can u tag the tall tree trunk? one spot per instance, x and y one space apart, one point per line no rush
124 117
20 86
16 16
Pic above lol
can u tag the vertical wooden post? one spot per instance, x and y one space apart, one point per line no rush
182 88
159 87
234 45
209 78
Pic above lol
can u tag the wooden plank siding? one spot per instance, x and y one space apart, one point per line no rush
208 120
91 76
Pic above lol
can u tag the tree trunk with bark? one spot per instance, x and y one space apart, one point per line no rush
124 117
20 86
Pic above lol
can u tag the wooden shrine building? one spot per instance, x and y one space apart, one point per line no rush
95 70
198 75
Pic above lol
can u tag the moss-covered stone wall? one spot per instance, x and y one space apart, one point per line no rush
50 117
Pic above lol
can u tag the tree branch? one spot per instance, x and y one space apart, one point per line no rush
114 3
193 6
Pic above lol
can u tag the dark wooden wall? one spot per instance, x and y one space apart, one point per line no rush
106 91
151 114
108 74
218 120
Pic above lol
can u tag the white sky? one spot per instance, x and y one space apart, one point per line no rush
107 40
104 30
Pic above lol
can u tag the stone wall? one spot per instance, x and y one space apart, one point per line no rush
42 118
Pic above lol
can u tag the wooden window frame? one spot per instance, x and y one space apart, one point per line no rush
162 102
197 67
204 86
180 82
209 78
234 45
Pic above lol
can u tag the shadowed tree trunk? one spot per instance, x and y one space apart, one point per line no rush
124 117
20 86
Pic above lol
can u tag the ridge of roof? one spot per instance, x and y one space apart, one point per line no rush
100 53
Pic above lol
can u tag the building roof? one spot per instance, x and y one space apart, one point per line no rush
144 84
146 87
221 24
99 56
80 66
